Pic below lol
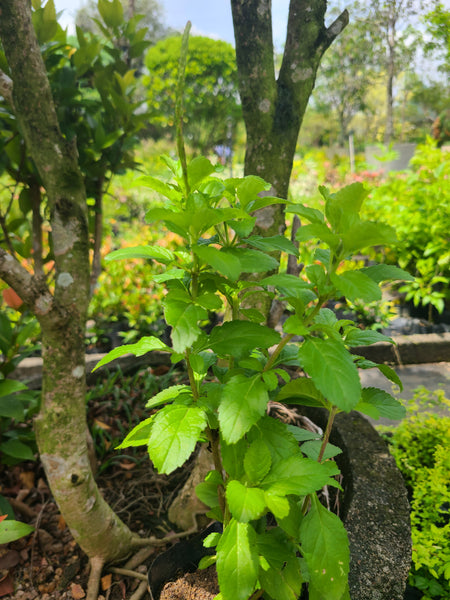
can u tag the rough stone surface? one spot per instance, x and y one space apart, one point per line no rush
375 510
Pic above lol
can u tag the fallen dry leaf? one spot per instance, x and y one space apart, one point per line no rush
127 465
9 560
27 478
102 425
106 582
61 523
77 591
6 586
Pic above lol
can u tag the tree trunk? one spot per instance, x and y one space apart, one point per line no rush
273 109
61 424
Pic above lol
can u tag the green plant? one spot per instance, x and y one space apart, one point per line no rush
421 447
17 403
236 368
416 204
259 465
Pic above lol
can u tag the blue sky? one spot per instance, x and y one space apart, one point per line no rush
208 17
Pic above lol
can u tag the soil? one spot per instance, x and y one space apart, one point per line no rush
201 585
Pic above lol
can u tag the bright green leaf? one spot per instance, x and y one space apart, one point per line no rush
237 561
377 403
238 338
175 431
257 461
332 370
355 285
243 403
158 253
13 530
168 395
326 550
245 503
144 345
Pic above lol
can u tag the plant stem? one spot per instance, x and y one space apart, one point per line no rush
191 375
277 351
179 105
326 435
213 437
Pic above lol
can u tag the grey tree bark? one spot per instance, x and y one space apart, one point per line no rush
61 423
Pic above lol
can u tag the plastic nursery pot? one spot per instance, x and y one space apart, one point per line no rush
182 558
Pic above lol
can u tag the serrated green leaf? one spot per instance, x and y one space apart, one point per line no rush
139 435
312 450
365 337
245 503
167 275
207 490
303 435
294 325
111 12
184 319
222 261
275 243
237 561
301 391
342 207
253 315
198 169
317 231
381 273
238 338
253 261
232 457
178 222
276 435
390 374
249 187
243 403
310 214
257 461
297 475
366 234
13 530
290 286
173 436
332 370
168 395
326 550
166 189
278 505
158 253
144 345
355 285
377 403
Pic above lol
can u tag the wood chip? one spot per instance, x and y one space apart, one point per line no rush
77 591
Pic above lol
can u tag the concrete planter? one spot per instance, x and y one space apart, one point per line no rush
375 509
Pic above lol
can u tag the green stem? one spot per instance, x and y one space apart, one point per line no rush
191 375
326 435
179 105
213 437
277 351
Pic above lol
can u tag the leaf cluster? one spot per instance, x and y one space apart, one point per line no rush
264 469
